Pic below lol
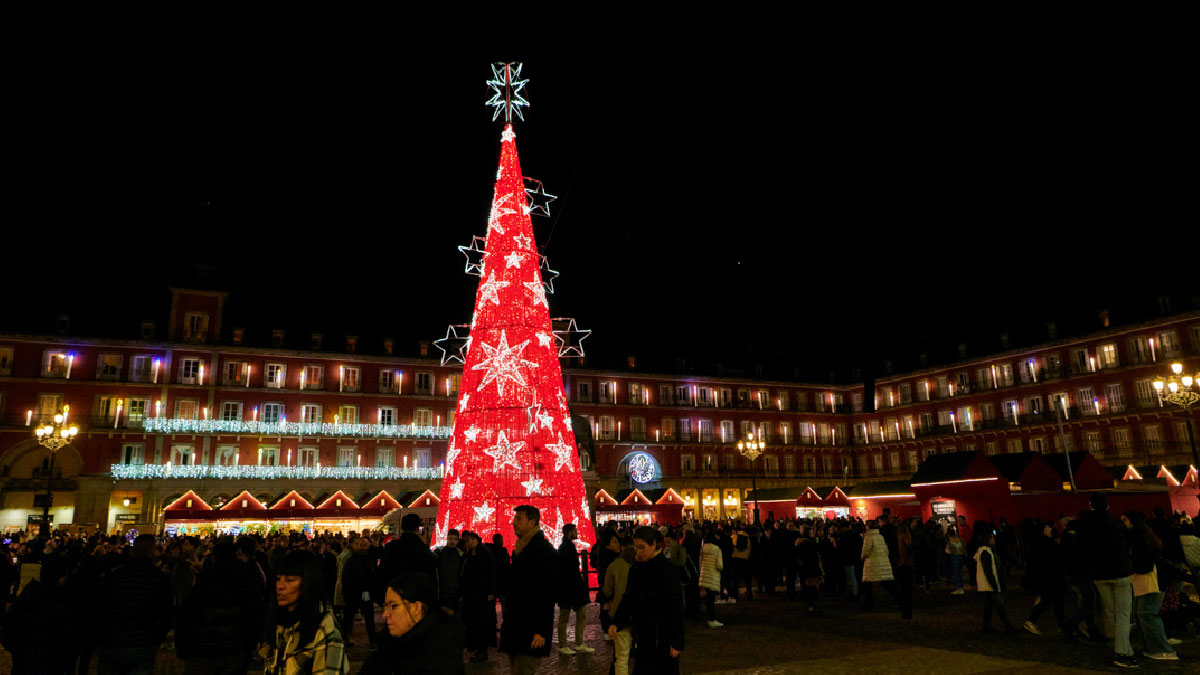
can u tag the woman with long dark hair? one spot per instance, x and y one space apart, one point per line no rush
1145 547
425 640
306 638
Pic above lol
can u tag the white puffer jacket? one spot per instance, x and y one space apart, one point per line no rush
876 565
711 564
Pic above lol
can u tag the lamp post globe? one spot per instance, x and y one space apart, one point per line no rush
751 448
1181 390
53 437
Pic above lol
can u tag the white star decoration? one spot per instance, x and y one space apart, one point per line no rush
451 455
483 513
539 297
584 507
542 338
503 364
567 422
521 240
532 486
489 288
507 135
504 453
562 453
512 260
462 402
546 420
508 95
456 489
471 432
499 210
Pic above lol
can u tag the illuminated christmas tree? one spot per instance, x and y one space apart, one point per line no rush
512 441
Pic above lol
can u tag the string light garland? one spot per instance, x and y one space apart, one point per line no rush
177 425
513 446
266 472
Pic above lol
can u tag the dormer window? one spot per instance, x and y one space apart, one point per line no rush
277 338
351 343
316 341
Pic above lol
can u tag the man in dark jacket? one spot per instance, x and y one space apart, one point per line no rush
501 559
137 602
653 606
39 630
1106 542
572 593
220 619
356 590
449 569
529 613
408 553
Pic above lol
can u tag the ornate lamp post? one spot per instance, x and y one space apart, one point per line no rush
53 437
751 449
1180 390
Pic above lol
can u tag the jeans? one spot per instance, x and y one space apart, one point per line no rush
956 568
1116 598
1154 636
994 601
623 644
851 579
367 610
564 618
127 661
1085 593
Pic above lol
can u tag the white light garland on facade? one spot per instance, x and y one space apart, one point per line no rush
142 471
174 425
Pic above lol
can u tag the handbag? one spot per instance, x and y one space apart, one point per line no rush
1145 584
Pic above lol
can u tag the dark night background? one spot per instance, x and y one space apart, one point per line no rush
824 189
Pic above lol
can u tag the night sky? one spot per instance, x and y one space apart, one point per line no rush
823 189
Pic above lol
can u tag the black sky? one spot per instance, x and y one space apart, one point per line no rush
825 188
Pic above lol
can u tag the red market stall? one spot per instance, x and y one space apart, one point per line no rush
1180 481
663 506
890 497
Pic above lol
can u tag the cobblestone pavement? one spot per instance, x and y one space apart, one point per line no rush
771 635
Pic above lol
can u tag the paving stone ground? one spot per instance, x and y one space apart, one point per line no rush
771 635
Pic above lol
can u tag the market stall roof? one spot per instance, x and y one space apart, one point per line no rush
883 488
777 494
604 499
382 502
292 500
1089 473
244 501
190 501
1013 466
953 466
425 499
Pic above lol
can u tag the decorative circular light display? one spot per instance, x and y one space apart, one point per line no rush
641 468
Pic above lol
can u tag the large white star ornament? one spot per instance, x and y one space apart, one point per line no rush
454 347
471 432
512 260
543 339
499 210
483 513
503 364
539 298
462 402
532 486
507 135
504 452
567 422
563 453
508 91
456 489
474 253
489 289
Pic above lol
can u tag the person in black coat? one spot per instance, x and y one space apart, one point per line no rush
1045 578
221 618
425 640
501 559
477 586
39 631
356 585
529 613
653 606
136 598
408 553
572 593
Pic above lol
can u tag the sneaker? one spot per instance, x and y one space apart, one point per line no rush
584 649
1174 641
1032 628
732 601
1083 630
1165 656
1125 662
567 651
958 591
715 624
720 601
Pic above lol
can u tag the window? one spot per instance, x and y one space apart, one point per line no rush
583 391
347 456
314 377
710 462
310 413
387 381
453 382
385 458
1092 441
1168 342
687 462
729 462
905 393
764 399
1144 391
1195 333
276 375
183 455
54 363
272 412
352 378
1060 401
891 428
810 464
238 335
133 453
819 402
746 429
983 378
49 405
1107 355
685 430
1015 445
387 416
136 410
1137 349
1058 442
785 431
1180 432
862 464
1004 375
666 394
877 461
683 395
308 457
6 360
226 455
923 390
1087 400
987 411
876 433
705 396
856 401
944 418
233 373
789 464
943 386
424 383
1152 437
1010 411
1080 362
422 458
1053 364
1114 396
771 462
231 411
608 392
195 327
668 429
912 460
608 428
781 401
139 370
189 371
725 397
106 408
108 367
908 427
187 409
1121 442
1033 405
1037 445
637 428
1028 370
706 430
727 431
348 414
990 447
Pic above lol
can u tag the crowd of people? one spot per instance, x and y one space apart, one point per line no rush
292 603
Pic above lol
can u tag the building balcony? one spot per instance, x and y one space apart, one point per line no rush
174 425
259 472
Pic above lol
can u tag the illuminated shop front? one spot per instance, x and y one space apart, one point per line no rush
663 506
245 513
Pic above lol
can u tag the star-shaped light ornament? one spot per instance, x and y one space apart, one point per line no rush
507 135
512 260
521 241
483 513
499 210
539 199
545 419
489 289
563 453
471 432
508 91
504 452
454 346
532 486
538 291
474 252
570 339
451 455
548 275
503 364
543 339
462 402
456 489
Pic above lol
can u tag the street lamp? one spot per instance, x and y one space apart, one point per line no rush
751 449
1181 391
53 437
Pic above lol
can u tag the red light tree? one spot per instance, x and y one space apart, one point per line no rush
512 441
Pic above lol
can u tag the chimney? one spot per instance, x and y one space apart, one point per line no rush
1004 343
962 350
923 358
1104 316
64 324
887 365
1052 330
631 361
